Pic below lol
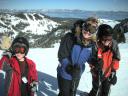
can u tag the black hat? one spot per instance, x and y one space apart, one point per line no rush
104 30
20 41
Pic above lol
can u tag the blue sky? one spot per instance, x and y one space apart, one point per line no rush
91 5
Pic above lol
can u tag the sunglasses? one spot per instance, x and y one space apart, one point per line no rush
87 32
19 50
90 29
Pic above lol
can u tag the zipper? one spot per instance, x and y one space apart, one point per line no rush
79 54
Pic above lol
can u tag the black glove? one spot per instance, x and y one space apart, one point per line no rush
76 71
113 78
73 70
97 63
34 86
7 53
69 68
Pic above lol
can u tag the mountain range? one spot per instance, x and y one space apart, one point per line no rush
41 30
76 13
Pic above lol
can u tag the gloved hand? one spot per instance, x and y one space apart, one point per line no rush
76 71
34 86
7 53
113 78
97 64
69 68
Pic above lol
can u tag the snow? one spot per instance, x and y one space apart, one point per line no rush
46 63
109 22
39 26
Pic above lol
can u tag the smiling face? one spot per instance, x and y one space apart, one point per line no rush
20 56
86 35
106 40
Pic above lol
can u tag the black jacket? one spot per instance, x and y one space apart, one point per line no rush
66 45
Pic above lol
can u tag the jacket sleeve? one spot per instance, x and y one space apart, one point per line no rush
34 75
4 64
116 56
116 52
65 47
115 64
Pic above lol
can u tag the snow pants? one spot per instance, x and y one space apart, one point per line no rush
65 86
104 87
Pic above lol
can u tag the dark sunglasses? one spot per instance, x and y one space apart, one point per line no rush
19 50
90 29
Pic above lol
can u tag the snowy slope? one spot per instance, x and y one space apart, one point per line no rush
46 62
26 22
109 22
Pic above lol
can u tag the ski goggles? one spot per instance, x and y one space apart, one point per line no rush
19 48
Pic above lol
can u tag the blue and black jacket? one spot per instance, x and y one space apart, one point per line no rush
80 54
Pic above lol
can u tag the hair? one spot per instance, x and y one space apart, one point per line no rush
104 30
91 20
77 23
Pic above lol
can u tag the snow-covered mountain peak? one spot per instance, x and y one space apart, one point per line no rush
27 22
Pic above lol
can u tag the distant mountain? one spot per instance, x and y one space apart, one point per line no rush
85 14
76 13
39 29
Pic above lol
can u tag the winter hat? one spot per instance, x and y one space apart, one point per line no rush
20 42
104 30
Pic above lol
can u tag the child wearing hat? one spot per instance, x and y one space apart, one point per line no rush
21 74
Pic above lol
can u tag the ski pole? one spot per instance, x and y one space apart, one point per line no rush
109 90
100 84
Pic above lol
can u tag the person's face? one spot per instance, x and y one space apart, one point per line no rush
20 53
20 56
86 34
107 40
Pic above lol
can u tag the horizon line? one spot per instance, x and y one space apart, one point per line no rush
67 9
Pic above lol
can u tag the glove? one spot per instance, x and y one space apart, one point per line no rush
7 53
73 70
76 71
113 78
69 68
97 64
34 86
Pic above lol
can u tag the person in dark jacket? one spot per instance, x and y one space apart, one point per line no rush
68 40
21 74
72 66
105 62
118 33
